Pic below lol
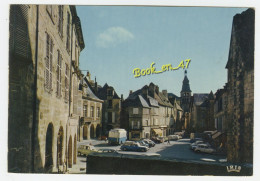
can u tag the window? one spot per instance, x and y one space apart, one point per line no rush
110 92
135 110
66 82
85 111
92 111
60 23
135 124
58 71
98 112
48 62
68 33
110 103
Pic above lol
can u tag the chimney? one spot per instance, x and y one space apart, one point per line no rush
130 92
96 88
122 98
88 75
145 92
157 89
165 93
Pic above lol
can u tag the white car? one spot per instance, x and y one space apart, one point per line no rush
173 137
204 148
195 144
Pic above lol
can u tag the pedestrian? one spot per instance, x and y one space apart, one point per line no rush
168 142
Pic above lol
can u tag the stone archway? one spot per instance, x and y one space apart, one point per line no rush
75 150
70 153
60 146
92 131
48 148
85 132
98 131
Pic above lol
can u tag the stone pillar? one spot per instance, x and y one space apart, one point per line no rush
80 133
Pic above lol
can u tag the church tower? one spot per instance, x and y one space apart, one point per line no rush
185 93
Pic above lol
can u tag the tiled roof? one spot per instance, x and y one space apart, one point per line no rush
89 91
198 99
102 92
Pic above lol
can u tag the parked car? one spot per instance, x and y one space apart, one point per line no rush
133 146
195 144
103 137
204 148
149 142
86 149
107 151
142 143
173 137
195 139
157 140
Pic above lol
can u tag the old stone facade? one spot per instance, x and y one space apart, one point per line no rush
148 113
220 110
90 123
111 108
202 112
45 43
240 88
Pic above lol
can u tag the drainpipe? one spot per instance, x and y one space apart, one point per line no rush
35 91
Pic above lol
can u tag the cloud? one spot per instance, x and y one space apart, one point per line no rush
113 36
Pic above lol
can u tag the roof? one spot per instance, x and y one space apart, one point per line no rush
137 101
89 91
178 106
102 92
76 20
164 100
198 99
185 85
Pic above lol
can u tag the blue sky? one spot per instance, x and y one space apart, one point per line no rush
121 38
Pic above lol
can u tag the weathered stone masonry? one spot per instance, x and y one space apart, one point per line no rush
45 42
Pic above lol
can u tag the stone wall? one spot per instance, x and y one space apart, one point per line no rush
240 67
40 124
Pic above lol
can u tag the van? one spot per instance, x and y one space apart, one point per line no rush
117 136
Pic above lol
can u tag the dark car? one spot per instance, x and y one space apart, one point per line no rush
149 142
143 143
133 146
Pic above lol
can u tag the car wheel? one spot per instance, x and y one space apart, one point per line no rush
198 151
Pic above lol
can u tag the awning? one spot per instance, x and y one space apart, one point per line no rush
157 131
216 135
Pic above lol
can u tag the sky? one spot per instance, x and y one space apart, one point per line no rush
119 39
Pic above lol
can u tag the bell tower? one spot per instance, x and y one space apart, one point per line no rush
185 93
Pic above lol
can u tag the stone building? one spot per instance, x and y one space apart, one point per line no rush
90 123
148 113
220 110
45 42
202 112
178 113
240 88
111 108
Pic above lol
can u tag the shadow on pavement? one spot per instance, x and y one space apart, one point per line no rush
183 151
